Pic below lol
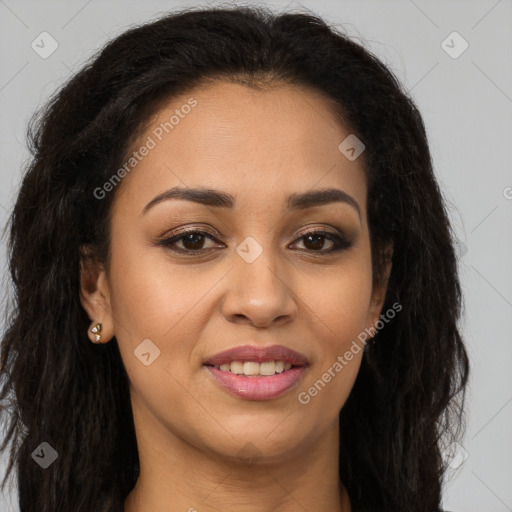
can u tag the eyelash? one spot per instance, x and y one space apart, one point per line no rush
340 243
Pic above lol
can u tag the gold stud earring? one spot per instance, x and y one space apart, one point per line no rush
96 330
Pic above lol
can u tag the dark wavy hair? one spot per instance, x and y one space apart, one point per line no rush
59 387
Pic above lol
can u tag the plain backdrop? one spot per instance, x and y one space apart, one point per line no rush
465 96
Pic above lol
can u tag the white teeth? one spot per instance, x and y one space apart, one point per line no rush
237 367
268 368
252 368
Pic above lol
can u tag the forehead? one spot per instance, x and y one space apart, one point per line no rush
254 143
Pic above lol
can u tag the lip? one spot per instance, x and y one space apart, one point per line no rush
258 387
259 355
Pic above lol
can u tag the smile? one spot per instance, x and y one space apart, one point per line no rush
257 386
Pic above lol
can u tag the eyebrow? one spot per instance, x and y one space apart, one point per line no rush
220 199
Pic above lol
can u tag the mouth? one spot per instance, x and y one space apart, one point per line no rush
255 373
255 369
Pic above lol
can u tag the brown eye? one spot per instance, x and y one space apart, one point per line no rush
192 240
314 241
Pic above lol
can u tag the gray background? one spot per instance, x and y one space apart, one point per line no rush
467 107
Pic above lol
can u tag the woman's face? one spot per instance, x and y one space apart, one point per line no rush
251 277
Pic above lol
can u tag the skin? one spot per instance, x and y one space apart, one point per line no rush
259 146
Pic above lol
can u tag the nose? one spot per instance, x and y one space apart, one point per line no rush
259 294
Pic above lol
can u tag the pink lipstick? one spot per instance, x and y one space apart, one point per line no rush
257 373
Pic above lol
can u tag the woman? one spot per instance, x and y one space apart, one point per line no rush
235 280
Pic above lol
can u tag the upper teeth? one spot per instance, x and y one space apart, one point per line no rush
254 368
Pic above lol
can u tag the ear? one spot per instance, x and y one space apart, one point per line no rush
379 288
95 294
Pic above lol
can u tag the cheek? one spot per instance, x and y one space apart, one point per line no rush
339 310
153 300
151 296
339 301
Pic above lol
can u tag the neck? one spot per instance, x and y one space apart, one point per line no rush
176 476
